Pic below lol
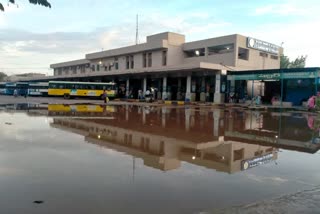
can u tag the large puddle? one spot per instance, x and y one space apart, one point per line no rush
126 159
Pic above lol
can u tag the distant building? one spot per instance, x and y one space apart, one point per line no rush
23 77
179 70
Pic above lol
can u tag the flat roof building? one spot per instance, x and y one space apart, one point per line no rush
178 70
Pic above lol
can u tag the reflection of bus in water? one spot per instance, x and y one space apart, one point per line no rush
38 89
60 109
81 89
21 87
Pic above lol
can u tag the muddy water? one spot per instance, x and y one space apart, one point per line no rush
123 159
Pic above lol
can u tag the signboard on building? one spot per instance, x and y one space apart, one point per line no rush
275 76
247 164
262 46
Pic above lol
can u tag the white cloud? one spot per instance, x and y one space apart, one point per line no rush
27 49
20 48
299 38
280 10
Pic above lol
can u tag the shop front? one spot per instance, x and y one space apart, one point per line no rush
285 85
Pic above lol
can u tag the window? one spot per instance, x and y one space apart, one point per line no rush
74 69
243 53
221 49
149 59
144 60
98 67
67 72
116 64
164 58
238 154
127 62
82 68
263 54
93 68
274 57
131 62
195 52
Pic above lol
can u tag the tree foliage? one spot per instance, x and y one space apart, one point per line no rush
2 76
44 3
299 62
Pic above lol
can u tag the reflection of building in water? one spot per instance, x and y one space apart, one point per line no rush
280 130
164 150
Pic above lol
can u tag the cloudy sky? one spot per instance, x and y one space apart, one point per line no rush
33 37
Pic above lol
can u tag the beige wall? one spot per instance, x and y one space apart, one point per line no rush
175 45
224 59
255 60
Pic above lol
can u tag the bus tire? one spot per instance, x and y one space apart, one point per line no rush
66 96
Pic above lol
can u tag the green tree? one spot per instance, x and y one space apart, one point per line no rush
299 62
39 2
2 76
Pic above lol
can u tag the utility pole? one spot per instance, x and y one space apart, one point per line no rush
137 30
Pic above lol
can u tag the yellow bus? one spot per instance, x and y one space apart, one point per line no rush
81 89
80 108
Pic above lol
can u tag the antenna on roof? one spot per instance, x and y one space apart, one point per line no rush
137 30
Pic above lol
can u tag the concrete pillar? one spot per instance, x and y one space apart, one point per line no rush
218 96
188 90
232 86
127 113
127 88
164 88
144 86
163 117
144 116
179 89
216 119
187 119
203 90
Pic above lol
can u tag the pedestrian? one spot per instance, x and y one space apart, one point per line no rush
311 102
15 93
140 94
104 96
258 100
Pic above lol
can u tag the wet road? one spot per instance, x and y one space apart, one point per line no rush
129 159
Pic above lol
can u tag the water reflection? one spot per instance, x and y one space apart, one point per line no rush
192 145
227 141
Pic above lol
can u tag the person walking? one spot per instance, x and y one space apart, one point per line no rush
15 93
105 97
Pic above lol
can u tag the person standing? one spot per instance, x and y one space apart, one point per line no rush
15 93
140 94
104 96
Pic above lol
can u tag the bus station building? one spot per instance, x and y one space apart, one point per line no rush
174 68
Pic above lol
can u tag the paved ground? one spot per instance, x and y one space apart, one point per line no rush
306 201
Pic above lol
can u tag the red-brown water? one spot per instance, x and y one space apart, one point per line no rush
125 159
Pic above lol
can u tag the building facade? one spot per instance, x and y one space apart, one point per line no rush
176 69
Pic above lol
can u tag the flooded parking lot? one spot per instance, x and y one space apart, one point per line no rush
160 159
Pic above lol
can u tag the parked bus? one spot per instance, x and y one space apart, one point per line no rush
38 89
2 87
21 87
81 89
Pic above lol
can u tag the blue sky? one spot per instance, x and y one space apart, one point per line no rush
33 37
